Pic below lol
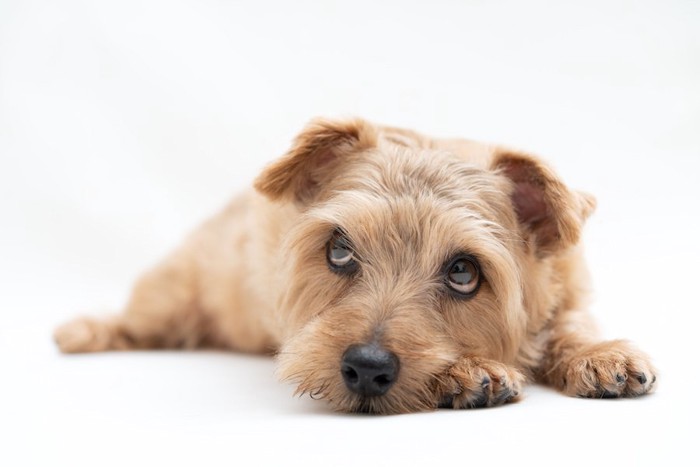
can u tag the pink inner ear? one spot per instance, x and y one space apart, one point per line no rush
315 171
542 203
323 158
529 203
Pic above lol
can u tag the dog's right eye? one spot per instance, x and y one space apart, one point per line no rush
340 254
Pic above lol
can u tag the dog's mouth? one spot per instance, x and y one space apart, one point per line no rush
401 398
367 378
365 408
398 402
381 405
447 402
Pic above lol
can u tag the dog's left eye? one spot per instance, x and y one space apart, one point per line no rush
340 254
463 275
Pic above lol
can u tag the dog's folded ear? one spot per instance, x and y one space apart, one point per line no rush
550 214
316 156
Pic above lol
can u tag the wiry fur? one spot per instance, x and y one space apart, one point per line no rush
255 278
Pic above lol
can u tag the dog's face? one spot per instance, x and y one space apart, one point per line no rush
407 257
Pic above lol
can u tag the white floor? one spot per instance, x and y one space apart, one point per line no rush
123 124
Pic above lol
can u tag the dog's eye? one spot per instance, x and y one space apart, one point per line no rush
463 275
340 254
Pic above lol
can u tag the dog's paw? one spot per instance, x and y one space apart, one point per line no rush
476 382
82 335
609 370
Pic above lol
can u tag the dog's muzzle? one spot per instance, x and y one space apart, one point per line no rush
368 369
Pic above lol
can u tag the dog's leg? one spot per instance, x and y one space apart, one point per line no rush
474 382
579 364
162 313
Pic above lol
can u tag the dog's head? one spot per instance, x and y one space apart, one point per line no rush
408 253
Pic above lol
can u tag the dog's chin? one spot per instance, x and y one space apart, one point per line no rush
397 401
385 406
370 406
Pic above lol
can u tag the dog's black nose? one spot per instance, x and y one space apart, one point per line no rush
368 369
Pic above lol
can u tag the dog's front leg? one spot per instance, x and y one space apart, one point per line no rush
577 363
477 382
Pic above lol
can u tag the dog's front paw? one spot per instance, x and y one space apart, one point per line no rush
609 370
477 382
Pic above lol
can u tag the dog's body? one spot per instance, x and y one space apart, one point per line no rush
390 272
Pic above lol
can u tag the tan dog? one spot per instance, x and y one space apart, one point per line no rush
390 272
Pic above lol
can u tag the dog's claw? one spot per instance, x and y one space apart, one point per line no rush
503 396
609 370
481 383
481 401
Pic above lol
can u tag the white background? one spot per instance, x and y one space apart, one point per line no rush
123 124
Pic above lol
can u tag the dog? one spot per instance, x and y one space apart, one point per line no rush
389 272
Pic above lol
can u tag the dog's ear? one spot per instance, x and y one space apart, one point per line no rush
316 156
550 214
